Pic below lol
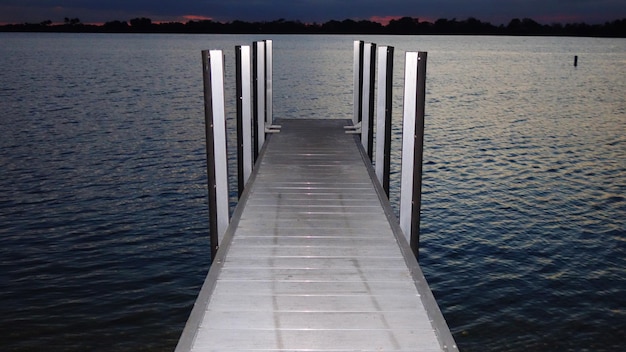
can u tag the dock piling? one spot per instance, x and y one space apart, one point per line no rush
244 115
412 146
383 115
269 84
367 118
258 55
358 81
215 126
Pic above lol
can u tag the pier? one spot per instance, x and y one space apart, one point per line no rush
313 257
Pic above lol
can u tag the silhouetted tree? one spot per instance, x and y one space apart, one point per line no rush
141 24
72 21
526 26
445 26
404 25
116 26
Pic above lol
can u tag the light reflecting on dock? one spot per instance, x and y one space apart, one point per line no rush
314 259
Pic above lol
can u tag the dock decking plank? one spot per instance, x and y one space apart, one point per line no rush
313 263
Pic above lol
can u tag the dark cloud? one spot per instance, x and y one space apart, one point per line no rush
494 11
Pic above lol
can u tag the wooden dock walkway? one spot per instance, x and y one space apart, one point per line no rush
314 258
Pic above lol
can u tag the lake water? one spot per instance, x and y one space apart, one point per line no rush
103 210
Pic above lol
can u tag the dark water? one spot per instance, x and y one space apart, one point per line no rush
103 214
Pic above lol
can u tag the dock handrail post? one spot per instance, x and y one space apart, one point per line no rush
412 146
258 55
383 115
269 70
215 126
244 116
357 95
367 120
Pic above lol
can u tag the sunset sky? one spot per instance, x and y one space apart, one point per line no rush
493 11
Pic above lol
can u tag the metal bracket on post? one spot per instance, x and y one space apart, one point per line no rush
412 146
383 115
356 129
273 129
217 164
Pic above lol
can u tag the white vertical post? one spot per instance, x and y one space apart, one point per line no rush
383 115
408 141
259 94
357 81
246 97
269 70
365 104
244 116
217 165
412 146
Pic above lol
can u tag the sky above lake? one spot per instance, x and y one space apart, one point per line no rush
310 11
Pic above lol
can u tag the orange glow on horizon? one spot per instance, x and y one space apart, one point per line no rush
197 18
384 20
562 19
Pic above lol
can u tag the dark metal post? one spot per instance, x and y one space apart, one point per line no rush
255 101
215 127
358 81
388 115
383 115
412 146
419 153
239 98
370 110
261 89
269 85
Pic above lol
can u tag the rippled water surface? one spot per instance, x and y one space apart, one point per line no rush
103 214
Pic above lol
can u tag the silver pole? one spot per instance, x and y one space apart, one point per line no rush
383 115
269 70
357 81
367 93
217 165
244 116
246 74
412 146
260 93
419 152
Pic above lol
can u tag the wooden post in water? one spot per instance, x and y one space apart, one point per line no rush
576 61
217 164
244 115
412 146
383 115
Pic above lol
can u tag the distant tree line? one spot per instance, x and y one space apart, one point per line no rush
402 26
